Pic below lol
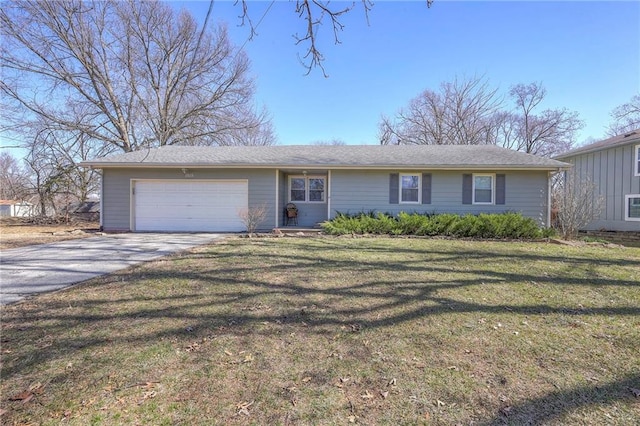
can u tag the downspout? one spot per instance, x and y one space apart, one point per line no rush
329 195
277 214
102 200
549 179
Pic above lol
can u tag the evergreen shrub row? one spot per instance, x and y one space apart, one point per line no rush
498 225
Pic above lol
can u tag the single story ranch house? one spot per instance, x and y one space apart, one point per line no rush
184 188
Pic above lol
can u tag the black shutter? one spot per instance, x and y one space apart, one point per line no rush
467 189
394 182
426 188
500 189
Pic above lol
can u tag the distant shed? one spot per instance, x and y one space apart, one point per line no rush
13 208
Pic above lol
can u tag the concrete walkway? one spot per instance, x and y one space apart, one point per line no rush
36 269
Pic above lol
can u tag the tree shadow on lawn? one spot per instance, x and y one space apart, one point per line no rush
576 257
218 298
553 405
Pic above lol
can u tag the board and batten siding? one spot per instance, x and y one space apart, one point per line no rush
116 211
611 170
352 192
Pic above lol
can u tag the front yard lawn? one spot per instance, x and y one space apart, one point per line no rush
336 331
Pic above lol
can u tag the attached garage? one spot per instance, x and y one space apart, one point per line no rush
188 206
204 188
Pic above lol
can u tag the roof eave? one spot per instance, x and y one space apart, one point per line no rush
633 140
128 165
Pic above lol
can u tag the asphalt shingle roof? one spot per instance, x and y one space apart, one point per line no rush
341 156
627 138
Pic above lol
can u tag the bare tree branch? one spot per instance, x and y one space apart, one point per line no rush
461 112
576 203
548 133
469 112
626 117
314 13
142 74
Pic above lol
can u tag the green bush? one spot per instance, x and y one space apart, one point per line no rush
503 225
410 224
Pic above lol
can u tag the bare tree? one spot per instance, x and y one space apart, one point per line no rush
252 217
138 73
626 117
462 112
49 181
256 129
576 203
549 132
470 112
14 181
314 13
59 149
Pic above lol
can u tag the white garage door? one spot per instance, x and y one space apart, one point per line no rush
189 206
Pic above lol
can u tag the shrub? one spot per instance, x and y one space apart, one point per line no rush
253 217
410 224
503 225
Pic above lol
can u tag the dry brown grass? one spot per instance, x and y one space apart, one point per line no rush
20 232
336 331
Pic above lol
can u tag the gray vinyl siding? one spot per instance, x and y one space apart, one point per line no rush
612 171
311 214
357 191
116 207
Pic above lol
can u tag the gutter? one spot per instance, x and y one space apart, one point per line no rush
128 165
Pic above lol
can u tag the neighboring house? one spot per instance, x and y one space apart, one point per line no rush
85 210
177 188
614 167
10 208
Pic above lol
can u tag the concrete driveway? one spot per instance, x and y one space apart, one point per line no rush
36 269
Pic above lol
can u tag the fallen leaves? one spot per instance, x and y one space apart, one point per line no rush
243 408
29 394
193 347
243 357
147 395
366 395
24 396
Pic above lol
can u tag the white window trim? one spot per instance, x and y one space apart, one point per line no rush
493 188
636 163
306 188
627 199
419 188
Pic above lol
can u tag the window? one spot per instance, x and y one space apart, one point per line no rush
409 188
316 189
483 189
305 189
632 207
298 189
637 161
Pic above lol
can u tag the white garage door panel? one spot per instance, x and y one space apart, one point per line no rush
190 206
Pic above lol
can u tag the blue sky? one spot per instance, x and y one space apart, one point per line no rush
586 54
